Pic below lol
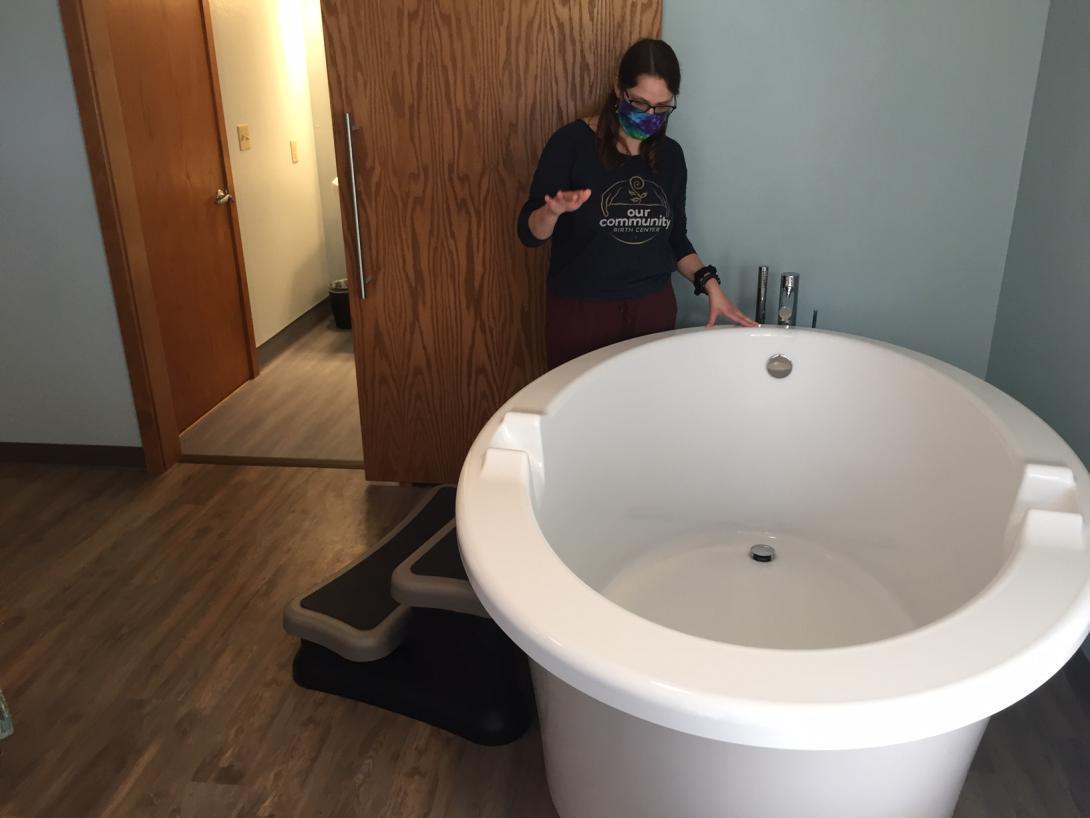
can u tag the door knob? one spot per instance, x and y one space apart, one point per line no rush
222 197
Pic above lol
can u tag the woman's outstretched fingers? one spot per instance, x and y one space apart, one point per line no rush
714 311
575 198
741 318
555 203
729 310
565 201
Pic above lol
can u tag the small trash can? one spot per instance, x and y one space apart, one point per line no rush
338 304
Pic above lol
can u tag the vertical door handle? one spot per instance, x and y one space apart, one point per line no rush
222 197
353 193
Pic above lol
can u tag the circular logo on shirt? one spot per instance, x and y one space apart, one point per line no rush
635 210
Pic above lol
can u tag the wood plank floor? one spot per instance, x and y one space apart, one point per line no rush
142 654
302 407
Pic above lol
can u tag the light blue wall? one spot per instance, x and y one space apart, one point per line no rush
1041 349
63 377
873 147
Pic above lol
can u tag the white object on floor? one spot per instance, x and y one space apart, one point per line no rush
932 568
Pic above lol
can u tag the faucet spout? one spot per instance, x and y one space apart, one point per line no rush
762 294
786 315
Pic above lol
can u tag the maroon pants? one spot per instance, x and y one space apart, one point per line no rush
575 326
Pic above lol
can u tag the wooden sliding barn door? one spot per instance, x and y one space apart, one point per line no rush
452 102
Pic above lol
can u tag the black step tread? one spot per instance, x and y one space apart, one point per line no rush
354 613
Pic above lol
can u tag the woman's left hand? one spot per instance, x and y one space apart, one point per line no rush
719 304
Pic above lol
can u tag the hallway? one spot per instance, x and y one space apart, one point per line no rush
301 410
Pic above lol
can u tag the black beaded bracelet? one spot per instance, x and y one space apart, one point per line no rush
702 277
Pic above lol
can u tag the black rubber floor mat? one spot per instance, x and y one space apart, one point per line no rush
455 671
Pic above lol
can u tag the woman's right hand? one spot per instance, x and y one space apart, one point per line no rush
565 201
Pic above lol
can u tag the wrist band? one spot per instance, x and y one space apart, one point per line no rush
702 277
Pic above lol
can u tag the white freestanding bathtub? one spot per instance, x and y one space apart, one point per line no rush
931 568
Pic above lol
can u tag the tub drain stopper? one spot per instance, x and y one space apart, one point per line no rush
762 553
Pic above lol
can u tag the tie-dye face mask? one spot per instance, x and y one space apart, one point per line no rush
636 123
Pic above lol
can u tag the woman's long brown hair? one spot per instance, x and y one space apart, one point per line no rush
646 56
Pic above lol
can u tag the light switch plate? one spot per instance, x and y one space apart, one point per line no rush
244 143
294 151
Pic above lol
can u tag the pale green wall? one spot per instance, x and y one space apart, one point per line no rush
1041 348
873 147
63 377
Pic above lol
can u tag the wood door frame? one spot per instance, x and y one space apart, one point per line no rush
91 57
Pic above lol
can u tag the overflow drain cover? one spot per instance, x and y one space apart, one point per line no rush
762 553
779 366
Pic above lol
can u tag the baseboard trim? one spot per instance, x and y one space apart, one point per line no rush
243 460
270 349
72 454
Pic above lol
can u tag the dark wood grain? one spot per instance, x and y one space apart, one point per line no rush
454 101
164 82
142 654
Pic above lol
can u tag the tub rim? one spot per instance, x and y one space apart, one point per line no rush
959 669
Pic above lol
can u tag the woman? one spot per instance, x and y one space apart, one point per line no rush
609 191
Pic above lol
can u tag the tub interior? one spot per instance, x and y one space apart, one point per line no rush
886 488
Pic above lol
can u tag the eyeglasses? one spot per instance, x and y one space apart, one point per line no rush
646 107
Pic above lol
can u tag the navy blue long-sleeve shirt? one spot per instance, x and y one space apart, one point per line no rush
625 241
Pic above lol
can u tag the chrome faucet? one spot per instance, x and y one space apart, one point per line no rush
786 315
762 293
